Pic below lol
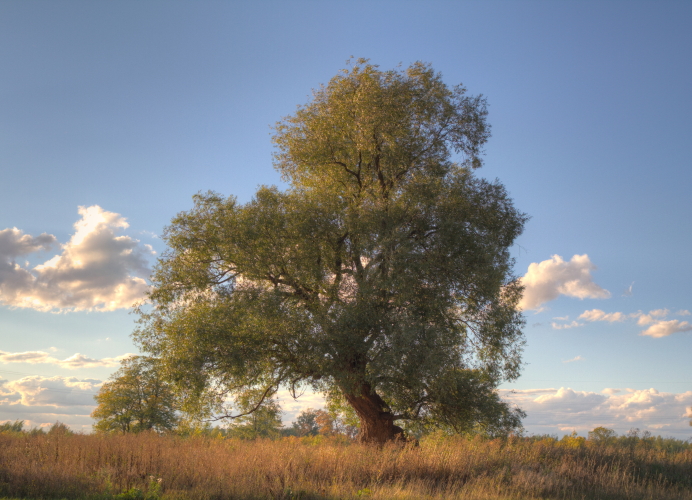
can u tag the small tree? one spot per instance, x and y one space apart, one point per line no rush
305 423
16 426
59 429
136 399
602 435
326 425
265 422
383 274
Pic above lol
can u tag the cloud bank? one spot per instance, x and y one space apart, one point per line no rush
547 280
41 401
73 362
97 270
559 411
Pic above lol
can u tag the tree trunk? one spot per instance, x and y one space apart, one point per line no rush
376 422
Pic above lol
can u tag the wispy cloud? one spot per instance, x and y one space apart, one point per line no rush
53 391
655 320
547 280
565 326
665 328
650 318
659 326
598 315
40 401
96 270
563 410
578 358
73 362
292 407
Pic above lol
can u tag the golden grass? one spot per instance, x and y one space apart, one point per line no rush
101 466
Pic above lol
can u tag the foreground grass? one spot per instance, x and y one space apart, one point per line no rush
128 467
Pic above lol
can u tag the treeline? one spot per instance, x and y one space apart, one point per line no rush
602 437
266 424
17 427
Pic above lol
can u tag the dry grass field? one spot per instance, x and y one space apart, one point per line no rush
148 466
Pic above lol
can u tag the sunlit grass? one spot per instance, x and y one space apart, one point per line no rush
107 466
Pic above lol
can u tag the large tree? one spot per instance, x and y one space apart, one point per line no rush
382 276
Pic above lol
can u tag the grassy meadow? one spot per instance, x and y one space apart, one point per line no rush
152 467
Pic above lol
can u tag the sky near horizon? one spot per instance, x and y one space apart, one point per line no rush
112 115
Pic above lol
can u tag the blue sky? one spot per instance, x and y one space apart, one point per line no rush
129 108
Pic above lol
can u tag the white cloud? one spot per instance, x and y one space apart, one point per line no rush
547 280
563 410
598 315
566 399
14 243
39 391
97 269
578 358
73 362
665 328
647 319
292 407
565 326
658 326
41 401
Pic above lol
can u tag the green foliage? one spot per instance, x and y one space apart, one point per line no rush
602 435
318 422
152 492
137 398
344 417
265 422
382 274
305 424
633 439
16 426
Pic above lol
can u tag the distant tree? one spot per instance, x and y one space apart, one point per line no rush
383 273
265 422
602 435
305 423
15 426
136 398
59 429
326 425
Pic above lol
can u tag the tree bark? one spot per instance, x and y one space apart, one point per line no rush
376 421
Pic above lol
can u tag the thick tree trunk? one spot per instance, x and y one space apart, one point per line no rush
376 422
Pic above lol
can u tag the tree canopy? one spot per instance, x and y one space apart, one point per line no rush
382 276
136 399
